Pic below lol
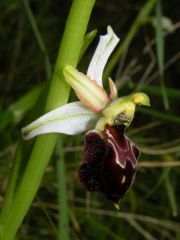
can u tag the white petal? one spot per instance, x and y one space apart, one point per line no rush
104 49
72 119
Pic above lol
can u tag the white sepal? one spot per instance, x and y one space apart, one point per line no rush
71 119
104 49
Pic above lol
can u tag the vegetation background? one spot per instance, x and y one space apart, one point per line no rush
30 32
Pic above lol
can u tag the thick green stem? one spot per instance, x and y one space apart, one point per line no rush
59 91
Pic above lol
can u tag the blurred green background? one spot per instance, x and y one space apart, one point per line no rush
147 59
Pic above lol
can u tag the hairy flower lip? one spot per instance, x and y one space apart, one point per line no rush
100 171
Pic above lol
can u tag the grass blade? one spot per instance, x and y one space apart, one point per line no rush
63 230
160 115
38 37
171 196
138 22
160 51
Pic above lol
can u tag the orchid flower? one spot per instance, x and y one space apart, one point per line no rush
110 157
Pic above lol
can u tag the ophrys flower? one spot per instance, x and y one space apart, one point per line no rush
110 158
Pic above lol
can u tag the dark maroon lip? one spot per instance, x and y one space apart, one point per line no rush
110 162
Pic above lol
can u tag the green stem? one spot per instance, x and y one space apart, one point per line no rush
139 21
69 52
38 37
63 232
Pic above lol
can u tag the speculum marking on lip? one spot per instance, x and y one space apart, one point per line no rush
123 179
100 171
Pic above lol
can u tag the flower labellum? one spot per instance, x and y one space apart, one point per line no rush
110 157
110 162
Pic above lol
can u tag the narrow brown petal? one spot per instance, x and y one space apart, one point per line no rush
110 162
